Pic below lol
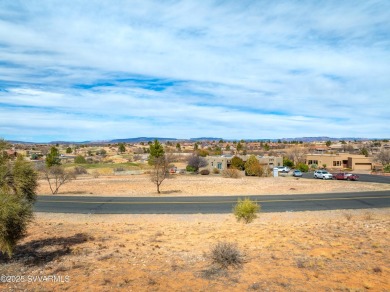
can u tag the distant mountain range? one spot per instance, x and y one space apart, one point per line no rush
161 139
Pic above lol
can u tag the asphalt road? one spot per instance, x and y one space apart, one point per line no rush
362 177
208 205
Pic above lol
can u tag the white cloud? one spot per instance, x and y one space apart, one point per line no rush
247 69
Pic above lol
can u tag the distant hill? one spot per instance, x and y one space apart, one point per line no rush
162 139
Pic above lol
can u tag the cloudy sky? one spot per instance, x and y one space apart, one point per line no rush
95 70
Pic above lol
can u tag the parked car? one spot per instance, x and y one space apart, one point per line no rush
352 176
345 176
297 173
322 174
283 169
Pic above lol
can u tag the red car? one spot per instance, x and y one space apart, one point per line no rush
345 176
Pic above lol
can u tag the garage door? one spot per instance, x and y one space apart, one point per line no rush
363 166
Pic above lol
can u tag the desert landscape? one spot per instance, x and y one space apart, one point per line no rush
292 251
302 251
198 185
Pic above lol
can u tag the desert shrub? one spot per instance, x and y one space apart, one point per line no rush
231 173
80 170
95 173
386 168
80 159
288 162
205 172
119 169
225 254
190 168
15 214
246 210
216 170
302 167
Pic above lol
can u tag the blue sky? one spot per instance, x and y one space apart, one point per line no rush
94 70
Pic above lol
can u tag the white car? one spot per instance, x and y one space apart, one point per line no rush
322 174
283 169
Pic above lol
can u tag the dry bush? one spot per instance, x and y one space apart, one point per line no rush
225 254
216 170
205 172
348 216
95 173
231 173
80 170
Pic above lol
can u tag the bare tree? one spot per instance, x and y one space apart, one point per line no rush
57 176
160 170
383 157
196 162
297 154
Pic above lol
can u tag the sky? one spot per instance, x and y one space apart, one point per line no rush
99 70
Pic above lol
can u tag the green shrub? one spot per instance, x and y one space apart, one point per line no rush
386 168
253 167
15 214
303 167
190 168
246 210
80 159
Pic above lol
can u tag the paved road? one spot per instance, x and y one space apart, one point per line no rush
208 205
362 177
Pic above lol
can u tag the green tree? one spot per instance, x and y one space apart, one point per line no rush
196 146
239 147
53 158
68 150
227 148
364 151
79 159
302 167
266 147
202 152
178 147
287 162
253 167
18 183
328 143
156 151
238 163
121 147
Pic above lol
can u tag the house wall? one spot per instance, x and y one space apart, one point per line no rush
340 161
222 162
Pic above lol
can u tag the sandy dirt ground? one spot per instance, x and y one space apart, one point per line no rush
198 185
302 251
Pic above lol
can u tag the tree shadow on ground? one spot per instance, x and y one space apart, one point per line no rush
171 192
42 251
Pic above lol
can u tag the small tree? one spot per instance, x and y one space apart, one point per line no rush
178 147
196 162
79 159
53 157
239 147
238 163
18 183
203 152
57 176
68 150
383 157
246 210
302 167
160 172
122 147
253 167
287 162
328 143
156 150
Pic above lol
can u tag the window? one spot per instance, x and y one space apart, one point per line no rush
219 166
336 163
313 162
212 163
